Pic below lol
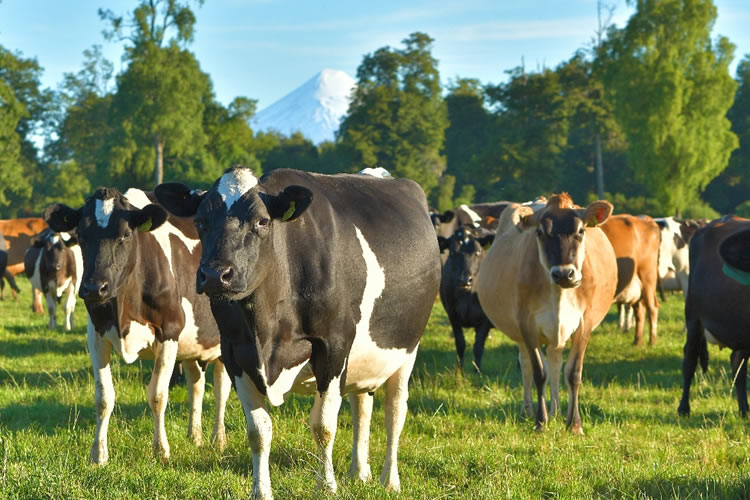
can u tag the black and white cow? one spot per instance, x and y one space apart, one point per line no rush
466 249
53 264
138 285
320 284
3 260
674 259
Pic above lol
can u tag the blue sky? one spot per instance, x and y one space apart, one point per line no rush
264 49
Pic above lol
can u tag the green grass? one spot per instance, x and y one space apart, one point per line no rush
464 437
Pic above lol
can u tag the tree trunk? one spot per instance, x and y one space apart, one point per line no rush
599 167
159 161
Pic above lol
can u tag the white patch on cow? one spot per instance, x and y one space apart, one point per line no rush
234 184
294 378
65 236
369 366
139 338
59 290
36 278
104 209
559 317
138 199
631 293
713 340
259 433
78 258
475 218
378 172
189 347
54 239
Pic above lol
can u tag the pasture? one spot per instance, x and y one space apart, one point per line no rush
464 437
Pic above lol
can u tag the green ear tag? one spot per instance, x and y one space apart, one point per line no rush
145 226
290 211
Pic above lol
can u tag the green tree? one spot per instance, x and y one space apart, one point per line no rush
296 152
161 96
732 188
671 90
397 117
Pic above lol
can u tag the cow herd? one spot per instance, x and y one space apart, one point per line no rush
323 285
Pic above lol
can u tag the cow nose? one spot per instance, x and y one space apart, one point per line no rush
214 279
467 282
57 267
564 276
94 290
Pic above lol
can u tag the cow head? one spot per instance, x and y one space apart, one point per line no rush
466 249
106 225
236 220
561 235
54 262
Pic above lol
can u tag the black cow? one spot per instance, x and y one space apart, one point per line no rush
138 268
735 250
716 308
3 260
321 284
458 288
53 264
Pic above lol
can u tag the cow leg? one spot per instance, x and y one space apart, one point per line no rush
361 405
573 376
482 332
165 354
458 336
640 317
553 374
52 310
104 392
690 359
70 305
259 434
396 395
323 423
622 312
36 303
13 286
222 388
527 376
739 371
629 317
196 384
652 306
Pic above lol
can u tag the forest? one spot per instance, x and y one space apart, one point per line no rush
647 116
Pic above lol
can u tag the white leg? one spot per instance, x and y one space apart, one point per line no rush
52 310
630 319
104 392
323 423
196 382
361 413
165 354
259 433
527 377
396 395
222 387
70 306
621 310
553 370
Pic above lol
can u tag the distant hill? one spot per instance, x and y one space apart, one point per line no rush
315 108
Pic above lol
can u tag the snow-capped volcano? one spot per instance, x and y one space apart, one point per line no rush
315 108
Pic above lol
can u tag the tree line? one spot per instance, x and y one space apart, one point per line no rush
648 117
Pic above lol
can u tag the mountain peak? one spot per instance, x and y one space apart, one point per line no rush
315 108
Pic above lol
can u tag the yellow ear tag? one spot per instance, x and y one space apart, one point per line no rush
145 226
290 211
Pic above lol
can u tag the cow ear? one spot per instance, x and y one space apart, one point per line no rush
72 239
447 216
486 240
149 218
178 198
596 213
61 218
290 203
522 218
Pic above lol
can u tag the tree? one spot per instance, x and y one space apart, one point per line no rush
671 90
161 96
397 117
730 189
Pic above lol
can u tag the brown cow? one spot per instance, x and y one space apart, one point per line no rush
549 277
19 234
636 244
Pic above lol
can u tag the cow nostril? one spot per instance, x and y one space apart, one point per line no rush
571 274
226 275
103 289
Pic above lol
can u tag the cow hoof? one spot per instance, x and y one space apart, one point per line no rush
539 427
99 458
577 430
683 412
219 440
364 474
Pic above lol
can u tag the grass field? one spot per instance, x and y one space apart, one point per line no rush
464 437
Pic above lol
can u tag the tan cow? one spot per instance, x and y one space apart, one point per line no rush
636 244
18 237
549 277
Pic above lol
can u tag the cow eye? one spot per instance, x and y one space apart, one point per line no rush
126 236
263 223
581 231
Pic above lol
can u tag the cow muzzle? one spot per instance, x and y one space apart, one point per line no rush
214 280
94 290
565 276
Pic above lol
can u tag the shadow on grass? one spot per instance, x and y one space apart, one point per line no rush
62 345
674 487
656 370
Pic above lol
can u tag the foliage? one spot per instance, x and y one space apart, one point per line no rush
699 209
397 117
463 436
671 89
295 152
732 187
